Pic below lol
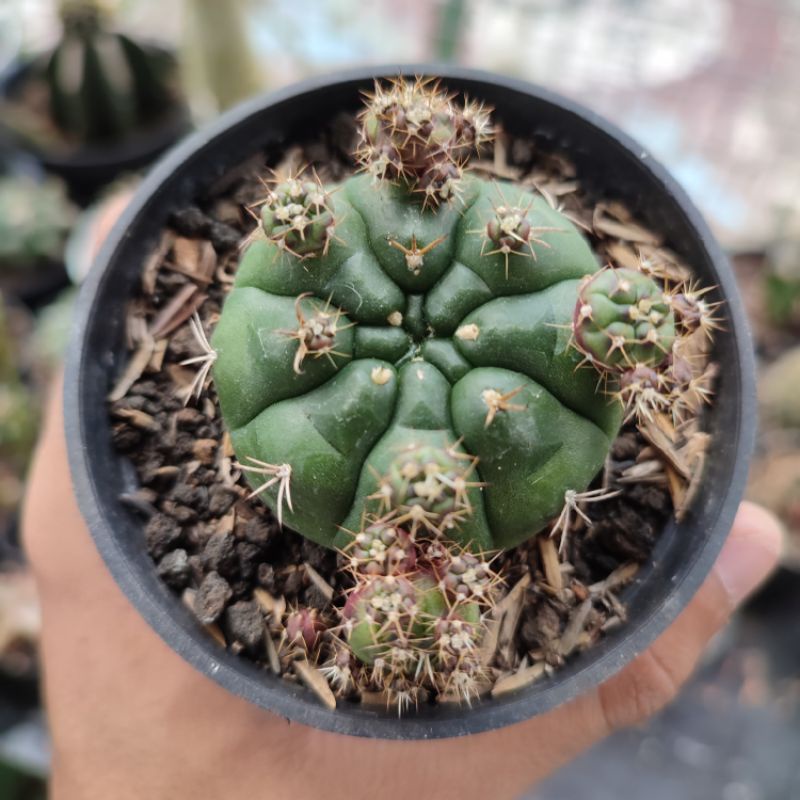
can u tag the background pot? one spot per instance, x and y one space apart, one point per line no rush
90 167
606 159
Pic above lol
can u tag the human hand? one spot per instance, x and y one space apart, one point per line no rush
130 719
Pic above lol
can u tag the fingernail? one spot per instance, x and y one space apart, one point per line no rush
751 552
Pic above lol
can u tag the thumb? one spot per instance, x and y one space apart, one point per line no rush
654 678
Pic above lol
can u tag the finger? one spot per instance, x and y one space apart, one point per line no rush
653 679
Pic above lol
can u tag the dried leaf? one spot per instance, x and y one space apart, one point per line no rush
272 652
619 577
137 418
654 433
185 302
315 681
551 564
517 680
134 370
273 606
153 263
324 587
195 258
646 472
572 633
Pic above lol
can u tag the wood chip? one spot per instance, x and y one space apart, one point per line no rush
623 255
153 263
551 564
512 598
646 472
677 486
692 489
511 608
274 606
157 359
517 680
227 523
324 587
194 258
272 652
572 633
489 641
134 370
185 302
216 632
205 450
627 231
137 418
656 434
619 577
315 681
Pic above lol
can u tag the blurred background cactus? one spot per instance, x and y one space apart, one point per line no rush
96 85
35 220
103 84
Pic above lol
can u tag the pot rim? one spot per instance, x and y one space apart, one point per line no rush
296 703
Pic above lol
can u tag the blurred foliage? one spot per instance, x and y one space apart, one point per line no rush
15 785
35 219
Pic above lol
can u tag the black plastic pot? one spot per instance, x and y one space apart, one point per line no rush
91 167
607 160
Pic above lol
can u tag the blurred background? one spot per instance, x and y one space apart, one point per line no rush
710 88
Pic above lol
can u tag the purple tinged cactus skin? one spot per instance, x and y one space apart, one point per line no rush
402 328
414 133
392 613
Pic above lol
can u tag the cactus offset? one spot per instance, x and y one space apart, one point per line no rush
623 319
413 133
418 623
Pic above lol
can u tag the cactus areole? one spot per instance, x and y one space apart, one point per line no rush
402 345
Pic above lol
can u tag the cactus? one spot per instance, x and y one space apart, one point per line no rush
35 220
623 319
102 84
415 632
400 344
412 132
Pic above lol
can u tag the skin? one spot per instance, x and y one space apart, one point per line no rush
129 719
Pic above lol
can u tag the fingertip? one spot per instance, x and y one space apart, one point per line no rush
751 552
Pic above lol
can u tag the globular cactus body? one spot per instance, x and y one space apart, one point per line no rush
102 83
623 318
448 344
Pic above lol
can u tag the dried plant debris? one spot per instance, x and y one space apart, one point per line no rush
278 599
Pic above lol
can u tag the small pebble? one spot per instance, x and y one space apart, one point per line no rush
162 534
211 598
244 623
174 569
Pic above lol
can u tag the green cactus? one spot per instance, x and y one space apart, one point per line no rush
35 220
102 84
376 330
623 318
